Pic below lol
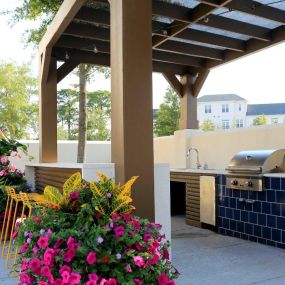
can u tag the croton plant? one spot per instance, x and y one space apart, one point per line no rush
88 234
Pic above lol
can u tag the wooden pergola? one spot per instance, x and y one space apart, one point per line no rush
136 37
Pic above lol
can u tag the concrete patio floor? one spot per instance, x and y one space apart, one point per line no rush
204 257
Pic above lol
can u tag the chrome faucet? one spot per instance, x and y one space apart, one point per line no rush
188 156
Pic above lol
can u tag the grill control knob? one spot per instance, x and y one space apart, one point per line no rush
234 182
248 184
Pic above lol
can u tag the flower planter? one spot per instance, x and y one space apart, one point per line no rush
89 235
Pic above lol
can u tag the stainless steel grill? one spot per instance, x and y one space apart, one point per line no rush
245 170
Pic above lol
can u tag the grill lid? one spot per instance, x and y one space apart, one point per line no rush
258 161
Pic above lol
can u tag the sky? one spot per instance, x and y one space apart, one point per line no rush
259 78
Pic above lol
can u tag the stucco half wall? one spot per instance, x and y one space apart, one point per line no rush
216 148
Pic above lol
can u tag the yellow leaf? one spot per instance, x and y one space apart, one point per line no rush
53 195
71 184
126 189
95 189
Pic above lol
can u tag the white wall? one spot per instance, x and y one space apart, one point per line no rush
216 148
99 152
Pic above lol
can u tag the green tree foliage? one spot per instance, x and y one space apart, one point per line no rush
166 120
67 113
99 112
44 11
207 125
260 120
16 111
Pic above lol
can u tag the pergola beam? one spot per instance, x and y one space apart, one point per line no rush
191 49
174 83
67 67
92 32
254 8
252 46
199 82
104 47
103 59
238 27
223 23
176 27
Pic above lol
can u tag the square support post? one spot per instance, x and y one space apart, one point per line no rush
188 117
48 112
132 132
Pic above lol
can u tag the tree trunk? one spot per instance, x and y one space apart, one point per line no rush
82 132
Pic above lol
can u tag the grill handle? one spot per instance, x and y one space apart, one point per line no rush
244 170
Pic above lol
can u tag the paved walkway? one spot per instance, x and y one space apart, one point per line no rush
205 258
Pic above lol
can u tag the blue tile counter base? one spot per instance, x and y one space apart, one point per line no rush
263 221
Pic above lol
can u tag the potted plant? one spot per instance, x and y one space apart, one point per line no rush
90 235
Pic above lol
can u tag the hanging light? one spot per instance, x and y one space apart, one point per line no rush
95 49
165 32
66 55
206 20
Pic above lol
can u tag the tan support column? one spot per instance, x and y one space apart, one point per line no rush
48 113
188 117
132 135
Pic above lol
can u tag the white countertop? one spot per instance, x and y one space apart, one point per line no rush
195 170
219 171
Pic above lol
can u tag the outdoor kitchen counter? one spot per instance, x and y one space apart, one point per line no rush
191 178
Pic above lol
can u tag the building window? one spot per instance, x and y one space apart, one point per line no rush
225 124
239 107
225 108
239 123
208 109
274 121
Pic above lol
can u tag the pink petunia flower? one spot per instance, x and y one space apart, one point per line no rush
3 172
162 279
58 281
12 167
1 134
43 283
68 255
65 268
24 248
91 258
25 279
74 195
4 159
37 219
65 276
138 281
74 278
45 271
93 277
139 261
111 281
119 231
25 265
42 242
35 264
14 153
